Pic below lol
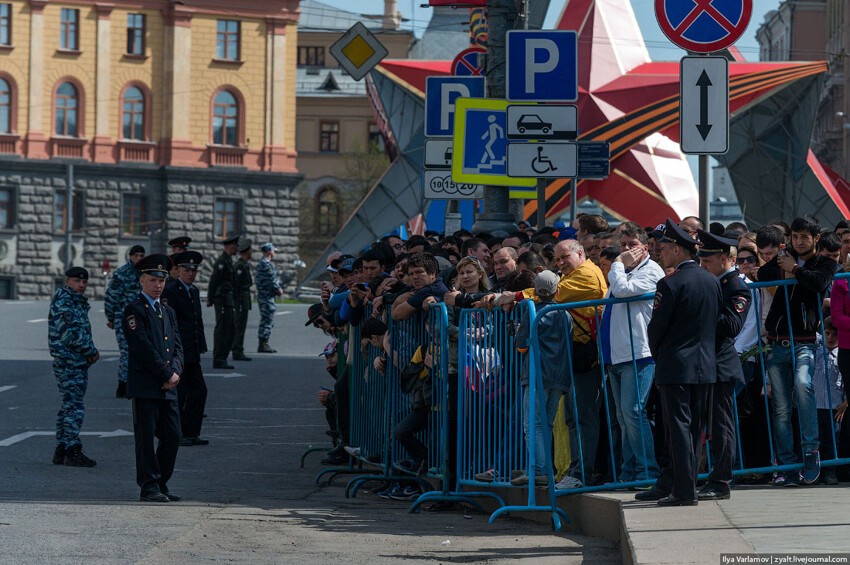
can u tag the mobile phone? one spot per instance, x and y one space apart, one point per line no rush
361 286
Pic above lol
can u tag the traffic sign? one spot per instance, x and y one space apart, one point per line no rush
440 96
542 160
480 144
704 105
542 66
438 153
469 62
358 51
542 122
439 185
703 26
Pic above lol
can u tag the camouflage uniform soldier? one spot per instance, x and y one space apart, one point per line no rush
70 340
220 294
242 283
268 288
123 289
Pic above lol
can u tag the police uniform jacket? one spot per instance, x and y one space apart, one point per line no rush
267 285
733 313
68 328
190 322
154 347
242 282
220 289
683 328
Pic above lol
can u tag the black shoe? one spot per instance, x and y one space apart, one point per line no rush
173 497
828 477
335 458
74 457
240 357
190 441
59 454
121 391
651 495
154 497
673 501
264 347
221 365
714 492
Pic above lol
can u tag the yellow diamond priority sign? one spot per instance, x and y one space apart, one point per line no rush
358 51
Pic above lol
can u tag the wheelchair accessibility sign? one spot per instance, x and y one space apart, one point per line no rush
543 160
481 143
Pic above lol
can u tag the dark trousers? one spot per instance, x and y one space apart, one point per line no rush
844 434
826 427
588 391
155 418
405 433
724 440
192 398
223 334
683 407
343 410
240 323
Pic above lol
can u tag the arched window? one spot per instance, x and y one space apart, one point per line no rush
327 211
225 123
133 114
66 112
5 106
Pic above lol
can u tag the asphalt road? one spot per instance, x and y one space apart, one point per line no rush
246 498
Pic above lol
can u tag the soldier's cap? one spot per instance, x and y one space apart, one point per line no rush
136 249
188 260
675 234
244 244
658 232
713 244
315 312
329 349
181 241
546 284
346 265
234 239
77 273
268 246
156 265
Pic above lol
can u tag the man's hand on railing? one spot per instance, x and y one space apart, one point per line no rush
427 303
377 306
450 297
488 302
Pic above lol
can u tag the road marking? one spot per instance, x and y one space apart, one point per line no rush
26 435
284 313
7 387
225 375
37 320
13 302
110 359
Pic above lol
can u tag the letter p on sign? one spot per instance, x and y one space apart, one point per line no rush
542 66
534 65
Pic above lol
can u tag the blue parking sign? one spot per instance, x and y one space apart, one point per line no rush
542 66
440 96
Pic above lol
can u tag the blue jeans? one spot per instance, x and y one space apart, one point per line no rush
553 397
785 381
631 391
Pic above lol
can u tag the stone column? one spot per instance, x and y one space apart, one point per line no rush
275 154
177 143
102 145
39 103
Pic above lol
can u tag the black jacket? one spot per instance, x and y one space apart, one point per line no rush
190 321
154 348
220 289
737 301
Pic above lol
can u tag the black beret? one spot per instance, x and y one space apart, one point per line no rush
77 273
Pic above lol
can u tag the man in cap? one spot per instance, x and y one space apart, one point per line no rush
268 288
122 289
183 296
220 295
70 339
717 256
242 283
684 352
156 363
180 244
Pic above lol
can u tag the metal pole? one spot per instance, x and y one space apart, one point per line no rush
571 184
541 203
69 215
704 209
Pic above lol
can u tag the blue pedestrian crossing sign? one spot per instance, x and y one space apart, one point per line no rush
481 143
542 66
441 93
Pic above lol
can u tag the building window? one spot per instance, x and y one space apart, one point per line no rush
135 34
60 211
311 56
329 137
6 24
134 211
227 40
327 212
7 209
133 114
225 119
228 214
69 30
7 288
67 101
5 106
375 139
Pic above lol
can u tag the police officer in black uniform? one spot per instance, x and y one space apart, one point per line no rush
242 283
180 244
682 334
717 256
155 363
183 296
220 295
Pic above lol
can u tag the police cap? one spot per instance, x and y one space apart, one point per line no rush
156 265
675 234
713 244
77 273
268 246
234 239
244 244
181 241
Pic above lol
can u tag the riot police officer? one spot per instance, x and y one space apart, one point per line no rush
220 295
268 288
242 283
123 289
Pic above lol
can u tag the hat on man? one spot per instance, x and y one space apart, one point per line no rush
330 349
244 244
658 232
188 260
156 265
567 233
230 241
268 246
346 265
546 284
314 312
136 249
181 241
713 244
77 273
675 234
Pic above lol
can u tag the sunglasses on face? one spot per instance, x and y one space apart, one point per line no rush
741 260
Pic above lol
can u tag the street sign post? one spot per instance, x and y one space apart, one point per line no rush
469 62
438 154
441 93
704 105
704 26
542 122
358 51
542 66
542 160
440 186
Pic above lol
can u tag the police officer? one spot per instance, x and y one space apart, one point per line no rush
682 335
242 283
717 256
220 295
123 289
184 298
268 288
180 244
73 351
156 363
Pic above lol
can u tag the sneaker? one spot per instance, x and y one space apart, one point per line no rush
406 493
74 457
487 476
59 454
517 473
568 482
408 465
792 479
520 480
541 481
778 480
811 467
353 451
829 477
386 493
384 488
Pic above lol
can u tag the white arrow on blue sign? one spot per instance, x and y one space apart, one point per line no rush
440 96
542 66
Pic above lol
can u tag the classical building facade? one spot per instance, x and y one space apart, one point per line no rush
178 119
832 131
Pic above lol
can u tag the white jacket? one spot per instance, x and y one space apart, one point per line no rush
640 280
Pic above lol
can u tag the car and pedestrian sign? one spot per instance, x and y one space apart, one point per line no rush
542 66
469 62
704 105
542 122
358 51
703 26
438 185
441 94
543 160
